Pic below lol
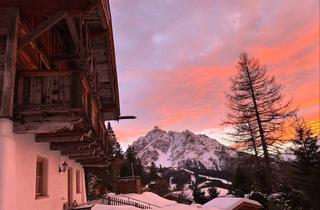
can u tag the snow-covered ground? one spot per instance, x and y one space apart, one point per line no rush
148 197
187 192
214 178
209 177
222 192
105 207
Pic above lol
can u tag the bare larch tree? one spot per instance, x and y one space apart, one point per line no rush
257 111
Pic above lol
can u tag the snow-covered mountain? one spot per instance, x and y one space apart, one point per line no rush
183 149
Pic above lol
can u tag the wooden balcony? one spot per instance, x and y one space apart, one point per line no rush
60 107
47 101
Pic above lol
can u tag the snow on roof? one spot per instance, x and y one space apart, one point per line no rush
187 207
228 203
106 207
151 198
173 207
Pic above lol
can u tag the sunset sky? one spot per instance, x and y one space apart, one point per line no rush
175 58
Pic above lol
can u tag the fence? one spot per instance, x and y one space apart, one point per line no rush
126 202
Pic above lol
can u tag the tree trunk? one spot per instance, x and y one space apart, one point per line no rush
261 132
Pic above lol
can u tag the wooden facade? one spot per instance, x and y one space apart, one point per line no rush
126 185
58 75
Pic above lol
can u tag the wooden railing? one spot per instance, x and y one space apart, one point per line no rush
52 92
126 201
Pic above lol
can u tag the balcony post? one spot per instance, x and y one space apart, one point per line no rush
11 17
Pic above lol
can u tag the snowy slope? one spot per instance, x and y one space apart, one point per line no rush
208 177
182 149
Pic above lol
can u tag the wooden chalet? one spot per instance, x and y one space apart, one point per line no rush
58 74
58 86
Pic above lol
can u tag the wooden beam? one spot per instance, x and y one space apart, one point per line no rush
72 144
81 151
108 108
75 146
95 154
83 157
62 109
44 58
72 57
55 137
93 162
102 165
46 25
86 157
127 117
45 7
99 34
96 165
78 152
73 31
110 48
10 61
59 139
50 73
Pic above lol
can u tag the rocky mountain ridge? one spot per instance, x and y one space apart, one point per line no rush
183 149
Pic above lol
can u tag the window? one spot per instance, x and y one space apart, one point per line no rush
78 181
41 177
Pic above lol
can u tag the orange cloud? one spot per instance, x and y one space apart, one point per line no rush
175 68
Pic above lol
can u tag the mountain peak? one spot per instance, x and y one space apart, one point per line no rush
156 128
182 149
187 131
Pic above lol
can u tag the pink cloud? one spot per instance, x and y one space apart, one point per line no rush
175 58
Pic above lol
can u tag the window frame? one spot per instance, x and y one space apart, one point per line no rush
78 181
41 185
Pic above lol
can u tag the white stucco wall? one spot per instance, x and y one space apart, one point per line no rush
27 151
7 166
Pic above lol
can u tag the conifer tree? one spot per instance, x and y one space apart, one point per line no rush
117 151
198 195
153 172
241 183
131 154
213 193
307 162
132 165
